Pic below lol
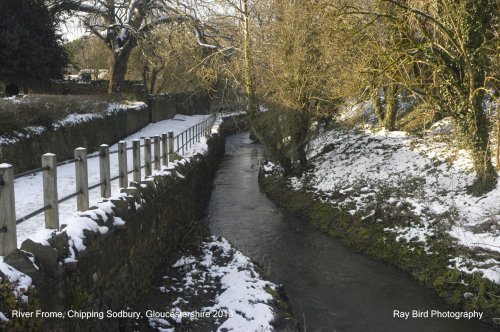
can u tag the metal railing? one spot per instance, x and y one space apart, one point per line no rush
157 151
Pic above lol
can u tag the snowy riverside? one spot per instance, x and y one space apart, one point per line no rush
249 165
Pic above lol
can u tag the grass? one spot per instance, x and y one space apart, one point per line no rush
17 113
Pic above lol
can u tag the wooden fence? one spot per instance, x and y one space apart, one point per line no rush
157 150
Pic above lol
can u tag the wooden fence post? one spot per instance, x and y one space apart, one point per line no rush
157 156
171 149
8 235
105 172
122 164
82 179
50 197
136 153
165 141
147 157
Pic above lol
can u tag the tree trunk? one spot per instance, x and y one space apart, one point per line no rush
144 73
391 111
474 127
248 64
119 67
300 124
154 76
498 140
377 107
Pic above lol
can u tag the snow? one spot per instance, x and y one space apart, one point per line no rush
20 280
75 228
238 289
3 318
15 99
28 190
365 170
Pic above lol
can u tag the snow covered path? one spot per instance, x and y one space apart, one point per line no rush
28 189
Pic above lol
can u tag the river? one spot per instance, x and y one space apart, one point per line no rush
330 287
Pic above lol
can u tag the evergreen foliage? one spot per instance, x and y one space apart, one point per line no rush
29 45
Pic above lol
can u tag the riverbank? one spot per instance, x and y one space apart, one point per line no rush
212 286
388 195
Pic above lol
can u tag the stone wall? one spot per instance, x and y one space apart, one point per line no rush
117 267
192 104
161 108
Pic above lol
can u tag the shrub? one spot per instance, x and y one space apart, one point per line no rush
17 113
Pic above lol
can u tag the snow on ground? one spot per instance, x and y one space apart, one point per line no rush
364 171
28 194
220 288
28 190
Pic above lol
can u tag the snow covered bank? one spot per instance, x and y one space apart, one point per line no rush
352 168
216 288
403 200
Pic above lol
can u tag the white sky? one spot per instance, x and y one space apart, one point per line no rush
71 29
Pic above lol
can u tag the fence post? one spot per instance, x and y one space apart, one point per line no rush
8 240
165 141
82 179
178 145
122 164
171 149
50 197
147 156
181 150
191 136
105 171
136 152
157 157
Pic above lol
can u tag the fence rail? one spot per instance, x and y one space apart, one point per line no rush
157 150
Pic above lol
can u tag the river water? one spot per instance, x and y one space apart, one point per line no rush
330 287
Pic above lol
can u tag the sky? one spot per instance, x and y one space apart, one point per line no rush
71 29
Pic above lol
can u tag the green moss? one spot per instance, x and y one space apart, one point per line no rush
283 316
77 297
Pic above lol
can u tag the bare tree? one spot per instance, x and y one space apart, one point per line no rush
122 23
